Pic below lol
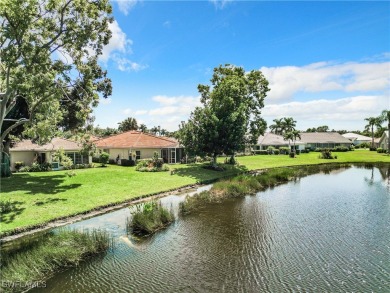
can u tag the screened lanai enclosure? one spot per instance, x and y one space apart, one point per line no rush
172 155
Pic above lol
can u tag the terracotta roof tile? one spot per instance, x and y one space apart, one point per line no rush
135 139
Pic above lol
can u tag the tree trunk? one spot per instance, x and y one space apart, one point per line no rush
215 160
372 133
388 138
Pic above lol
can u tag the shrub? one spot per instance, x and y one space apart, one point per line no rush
318 150
341 149
155 164
262 152
104 158
111 162
276 152
292 155
380 150
372 149
19 165
231 161
327 154
6 206
149 218
127 163
284 150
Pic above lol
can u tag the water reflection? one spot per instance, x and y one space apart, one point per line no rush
323 233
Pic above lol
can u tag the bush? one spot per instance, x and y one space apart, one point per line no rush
6 206
276 152
292 155
104 158
231 161
284 150
155 164
149 218
327 154
380 150
127 163
261 152
372 149
111 162
341 149
19 165
318 150
35 167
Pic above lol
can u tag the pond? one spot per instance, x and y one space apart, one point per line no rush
322 233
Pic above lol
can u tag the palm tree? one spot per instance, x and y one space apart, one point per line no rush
386 117
288 136
277 127
288 124
128 124
373 122
143 128
296 135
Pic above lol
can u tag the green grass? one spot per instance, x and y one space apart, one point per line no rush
38 198
35 262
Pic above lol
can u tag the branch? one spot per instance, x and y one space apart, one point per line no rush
9 129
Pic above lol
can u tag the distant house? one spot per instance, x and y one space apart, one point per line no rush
137 145
315 140
357 139
310 140
270 139
384 141
28 152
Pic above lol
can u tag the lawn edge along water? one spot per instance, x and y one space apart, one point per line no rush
61 220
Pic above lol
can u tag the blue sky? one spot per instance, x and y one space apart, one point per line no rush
328 63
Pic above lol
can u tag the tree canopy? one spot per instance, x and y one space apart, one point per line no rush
128 124
49 59
231 113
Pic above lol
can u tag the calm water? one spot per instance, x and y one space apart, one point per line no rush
324 233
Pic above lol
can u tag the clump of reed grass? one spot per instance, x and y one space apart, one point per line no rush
194 202
52 253
149 218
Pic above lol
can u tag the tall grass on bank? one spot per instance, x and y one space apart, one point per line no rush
52 253
149 218
242 185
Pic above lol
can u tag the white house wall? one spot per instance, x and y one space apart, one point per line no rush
124 153
23 156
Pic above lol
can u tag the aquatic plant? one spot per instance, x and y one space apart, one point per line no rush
149 218
50 254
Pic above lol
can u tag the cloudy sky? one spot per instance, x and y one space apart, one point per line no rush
328 63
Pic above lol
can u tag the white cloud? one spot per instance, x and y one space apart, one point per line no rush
220 4
127 111
334 113
286 81
118 43
140 112
124 64
126 5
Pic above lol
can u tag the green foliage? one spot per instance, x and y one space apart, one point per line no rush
19 165
149 218
380 150
327 154
284 150
154 164
6 206
276 152
230 116
128 124
52 253
35 37
63 159
104 157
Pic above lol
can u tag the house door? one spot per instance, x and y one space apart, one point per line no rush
173 156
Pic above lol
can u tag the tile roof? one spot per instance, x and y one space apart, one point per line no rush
135 139
323 137
55 144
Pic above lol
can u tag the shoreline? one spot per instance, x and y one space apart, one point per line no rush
62 221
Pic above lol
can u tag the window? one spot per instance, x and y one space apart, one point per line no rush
137 155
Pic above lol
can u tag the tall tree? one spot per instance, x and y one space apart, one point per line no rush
35 38
373 122
385 117
277 126
230 116
128 124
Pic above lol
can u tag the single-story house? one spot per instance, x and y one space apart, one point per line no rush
310 140
135 145
270 139
357 139
28 152
315 140
384 141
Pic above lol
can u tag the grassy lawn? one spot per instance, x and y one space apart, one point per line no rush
44 196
